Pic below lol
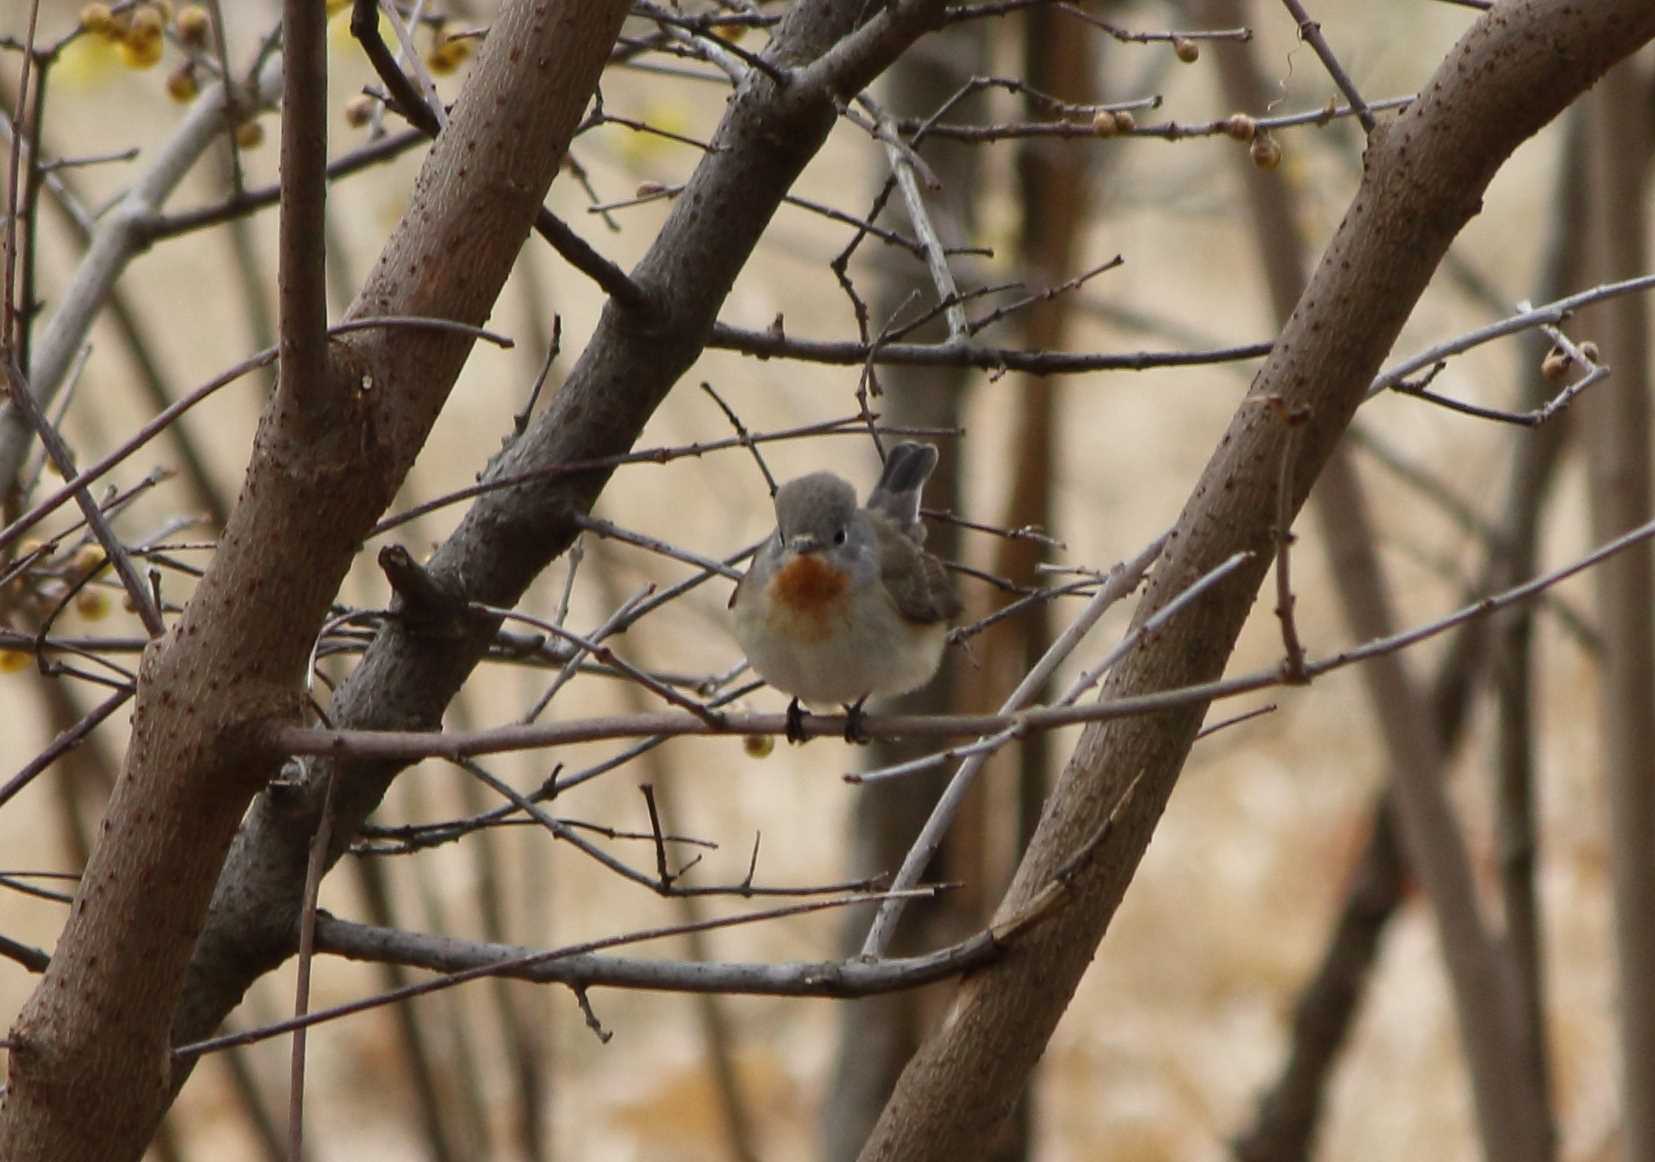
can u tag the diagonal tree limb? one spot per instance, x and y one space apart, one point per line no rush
328 456
768 133
1423 178
1288 1113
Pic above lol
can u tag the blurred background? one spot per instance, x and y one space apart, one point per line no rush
1183 1021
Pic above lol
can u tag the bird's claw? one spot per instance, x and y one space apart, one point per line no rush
796 724
855 727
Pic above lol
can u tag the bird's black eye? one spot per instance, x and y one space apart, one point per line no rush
839 537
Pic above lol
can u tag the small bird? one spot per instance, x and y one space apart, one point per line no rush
843 603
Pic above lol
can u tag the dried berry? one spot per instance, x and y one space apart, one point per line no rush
1264 151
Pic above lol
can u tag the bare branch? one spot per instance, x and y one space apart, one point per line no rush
1311 32
121 234
769 345
1550 313
825 980
25 403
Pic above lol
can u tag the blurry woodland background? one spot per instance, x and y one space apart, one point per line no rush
1183 1021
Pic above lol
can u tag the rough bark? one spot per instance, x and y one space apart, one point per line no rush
96 1033
409 673
1618 426
1423 179
1508 1096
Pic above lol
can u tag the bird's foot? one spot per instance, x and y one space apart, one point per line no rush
855 730
796 724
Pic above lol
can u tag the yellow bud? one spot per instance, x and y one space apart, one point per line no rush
89 558
359 110
447 56
1589 349
1241 127
147 23
1188 51
758 746
141 52
193 25
1105 123
729 32
1125 122
92 604
181 83
249 135
13 661
97 18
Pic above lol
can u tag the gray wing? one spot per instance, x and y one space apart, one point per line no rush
918 582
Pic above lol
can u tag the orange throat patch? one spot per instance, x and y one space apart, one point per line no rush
808 585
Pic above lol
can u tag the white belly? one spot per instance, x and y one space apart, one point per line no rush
867 649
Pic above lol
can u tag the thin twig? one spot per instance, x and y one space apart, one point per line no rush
950 353
314 866
905 166
1311 33
165 418
1292 648
1122 580
65 741
24 400
410 746
842 979
609 530
1553 312
840 427
577 553
742 434
1152 625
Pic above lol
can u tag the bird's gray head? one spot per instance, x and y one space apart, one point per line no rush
818 513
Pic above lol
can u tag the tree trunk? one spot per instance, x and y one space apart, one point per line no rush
1423 178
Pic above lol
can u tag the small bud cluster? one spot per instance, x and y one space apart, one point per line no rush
46 578
1108 123
448 52
1555 366
140 32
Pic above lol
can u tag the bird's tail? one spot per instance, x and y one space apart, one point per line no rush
907 467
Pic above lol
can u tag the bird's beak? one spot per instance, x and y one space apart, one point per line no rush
804 543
